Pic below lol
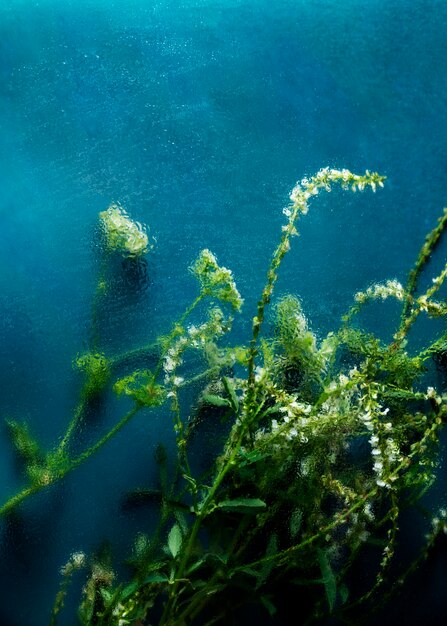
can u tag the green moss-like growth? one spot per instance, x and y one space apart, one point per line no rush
97 371
141 386
216 281
122 234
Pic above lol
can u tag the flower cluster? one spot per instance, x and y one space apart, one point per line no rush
309 187
75 562
439 522
340 394
385 453
122 234
436 309
195 337
173 359
392 288
384 449
216 281
216 325
432 395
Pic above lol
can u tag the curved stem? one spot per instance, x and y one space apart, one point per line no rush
25 493
99 444
14 501
72 425
101 287
19 498
197 524
430 243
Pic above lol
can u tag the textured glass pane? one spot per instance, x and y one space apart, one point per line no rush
197 118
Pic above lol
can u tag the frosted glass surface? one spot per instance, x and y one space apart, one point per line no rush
199 117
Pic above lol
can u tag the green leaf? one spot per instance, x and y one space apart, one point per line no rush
270 410
329 580
344 593
252 457
271 608
229 388
247 571
295 522
212 559
242 505
215 400
129 590
106 595
25 444
175 540
157 577
196 565
181 519
266 568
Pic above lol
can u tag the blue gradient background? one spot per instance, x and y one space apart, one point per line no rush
199 117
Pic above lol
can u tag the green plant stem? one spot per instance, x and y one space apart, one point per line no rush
99 444
272 276
99 292
197 524
250 403
199 600
119 360
430 243
77 415
17 499
13 502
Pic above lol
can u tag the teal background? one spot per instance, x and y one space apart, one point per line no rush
199 117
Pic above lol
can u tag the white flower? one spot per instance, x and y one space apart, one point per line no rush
169 364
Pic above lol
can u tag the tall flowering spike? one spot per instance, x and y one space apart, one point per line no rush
122 233
216 281
323 179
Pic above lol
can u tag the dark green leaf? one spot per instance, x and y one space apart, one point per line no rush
242 505
25 444
157 577
329 580
271 608
295 522
232 393
129 590
253 457
272 549
344 593
216 400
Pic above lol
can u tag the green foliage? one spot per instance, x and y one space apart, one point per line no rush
302 364
317 447
216 281
97 372
328 578
123 234
37 463
142 387
25 444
